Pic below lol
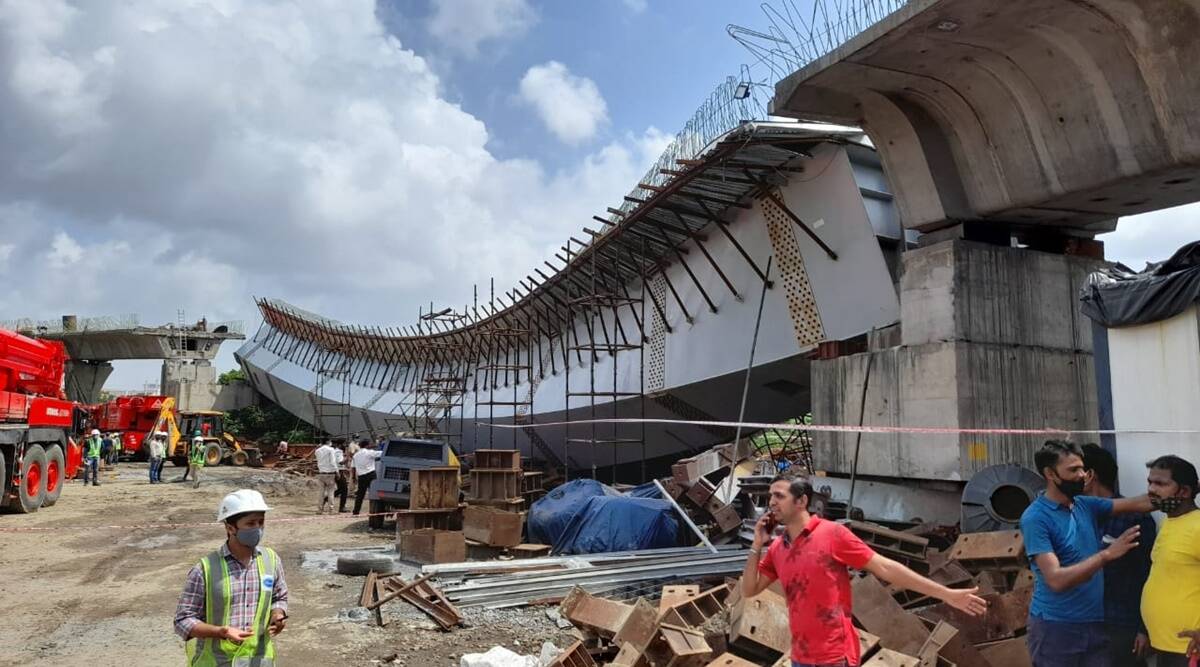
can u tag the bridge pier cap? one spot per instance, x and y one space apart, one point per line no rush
1030 114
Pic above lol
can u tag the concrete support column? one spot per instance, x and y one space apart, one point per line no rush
990 337
85 379
193 383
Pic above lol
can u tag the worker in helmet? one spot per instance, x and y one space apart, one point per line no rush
196 459
91 456
158 449
243 582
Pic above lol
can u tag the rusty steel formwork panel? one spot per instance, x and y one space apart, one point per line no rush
880 614
495 486
497 459
639 627
677 646
575 655
406 520
1006 615
429 545
730 660
673 595
886 657
1008 652
904 547
594 614
493 527
433 488
946 643
997 550
759 625
694 612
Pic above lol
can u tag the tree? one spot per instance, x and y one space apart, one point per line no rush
229 377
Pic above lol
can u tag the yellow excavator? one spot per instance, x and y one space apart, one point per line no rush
220 446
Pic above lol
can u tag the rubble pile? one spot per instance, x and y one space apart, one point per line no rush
717 627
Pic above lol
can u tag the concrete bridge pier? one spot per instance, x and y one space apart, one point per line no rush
85 379
990 337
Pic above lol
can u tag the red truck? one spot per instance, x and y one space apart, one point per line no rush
37 450
134 417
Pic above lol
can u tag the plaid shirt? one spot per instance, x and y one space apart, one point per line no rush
244 602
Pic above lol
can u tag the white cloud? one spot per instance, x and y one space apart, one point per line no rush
636 6
465 24
202 153
571 106
1152 237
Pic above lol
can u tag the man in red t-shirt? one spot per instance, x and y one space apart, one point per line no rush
811 561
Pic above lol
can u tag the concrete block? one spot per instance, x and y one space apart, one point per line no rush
493 527
428 545
954 385
968 291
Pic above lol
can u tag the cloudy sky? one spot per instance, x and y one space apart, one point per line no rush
357 158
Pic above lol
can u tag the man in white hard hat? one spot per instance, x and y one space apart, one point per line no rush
244 581
158 449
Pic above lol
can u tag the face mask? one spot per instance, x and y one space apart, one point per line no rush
250 537
1168 505
1070 489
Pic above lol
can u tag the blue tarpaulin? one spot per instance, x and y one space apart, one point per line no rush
549 516
619 523
647 490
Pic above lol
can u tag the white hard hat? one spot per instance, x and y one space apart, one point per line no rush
160 434
95 431
240 502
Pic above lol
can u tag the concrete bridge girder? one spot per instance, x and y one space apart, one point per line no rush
1054 112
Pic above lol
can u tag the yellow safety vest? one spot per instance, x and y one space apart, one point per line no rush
196 456
257 650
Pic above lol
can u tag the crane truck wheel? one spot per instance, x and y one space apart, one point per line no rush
33 479
213 454
54 474
239 458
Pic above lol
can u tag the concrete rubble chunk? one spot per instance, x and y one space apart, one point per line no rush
498 656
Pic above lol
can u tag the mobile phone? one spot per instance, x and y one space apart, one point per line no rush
772 522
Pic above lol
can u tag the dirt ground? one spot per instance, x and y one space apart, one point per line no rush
98 591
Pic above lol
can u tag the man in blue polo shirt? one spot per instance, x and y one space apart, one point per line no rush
1062 531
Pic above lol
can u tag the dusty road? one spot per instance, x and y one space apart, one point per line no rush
106 596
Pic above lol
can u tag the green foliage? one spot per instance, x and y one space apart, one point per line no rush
267 423
229 377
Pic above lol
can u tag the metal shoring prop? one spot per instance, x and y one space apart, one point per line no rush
737 437
862 407
687 519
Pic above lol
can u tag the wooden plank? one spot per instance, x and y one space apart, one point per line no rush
394 593
433 488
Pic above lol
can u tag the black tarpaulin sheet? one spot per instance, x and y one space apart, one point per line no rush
1120 297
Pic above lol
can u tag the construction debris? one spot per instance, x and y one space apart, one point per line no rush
381 589
712 625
